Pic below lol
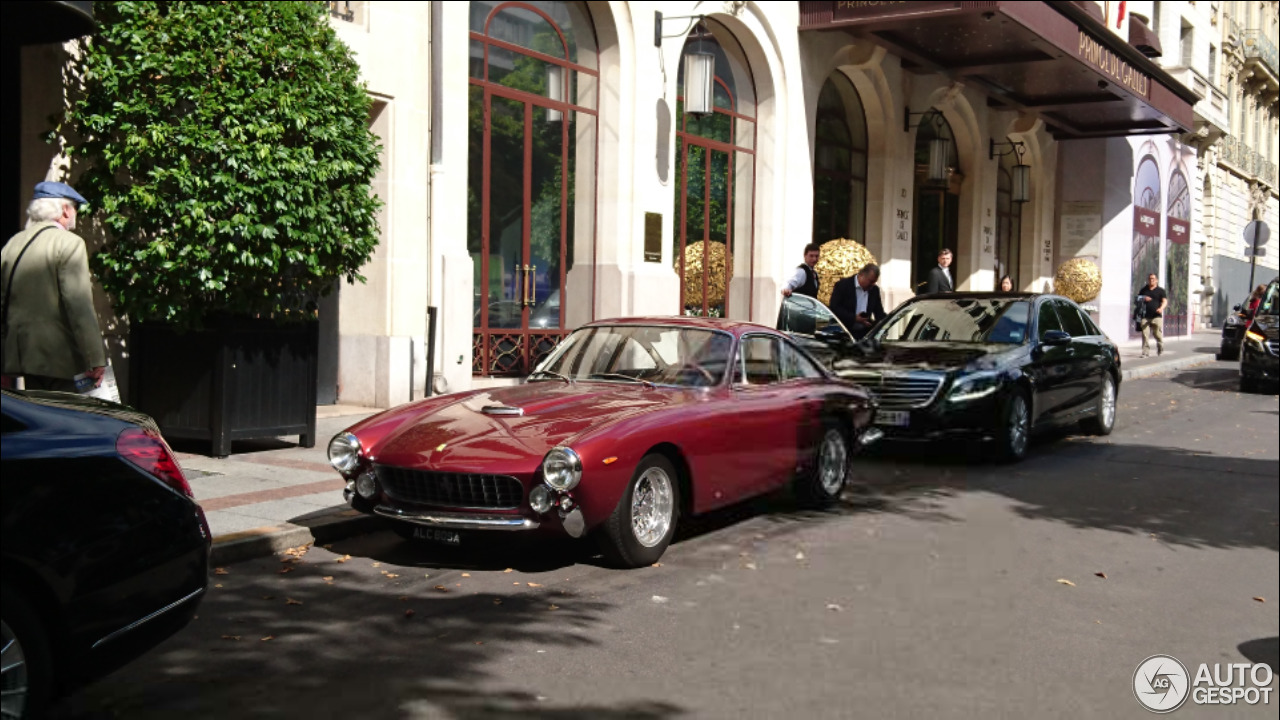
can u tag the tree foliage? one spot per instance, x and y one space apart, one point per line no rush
227 154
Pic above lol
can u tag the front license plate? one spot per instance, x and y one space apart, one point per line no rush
896 418
444 537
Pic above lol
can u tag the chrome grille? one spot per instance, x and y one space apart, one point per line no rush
899 390
1274 346
453 490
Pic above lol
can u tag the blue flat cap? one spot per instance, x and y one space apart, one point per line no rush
48 189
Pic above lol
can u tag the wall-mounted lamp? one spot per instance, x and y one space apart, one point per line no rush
1021 190
939 147
699 68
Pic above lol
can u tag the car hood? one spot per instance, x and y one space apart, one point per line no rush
1269 324
922 356
514 427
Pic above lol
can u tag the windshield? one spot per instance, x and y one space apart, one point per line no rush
683 357
1270 304
966 320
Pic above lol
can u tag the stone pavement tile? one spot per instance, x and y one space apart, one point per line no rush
215 486
283 511
230 502
225 522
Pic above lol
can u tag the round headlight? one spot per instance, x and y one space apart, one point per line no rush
562 469
344 452
540 499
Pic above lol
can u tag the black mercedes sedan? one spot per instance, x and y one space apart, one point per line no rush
1260 346
104 552
992 366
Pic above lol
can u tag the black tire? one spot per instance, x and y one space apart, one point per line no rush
823 484
29 642
618 534
1104 419
1014 436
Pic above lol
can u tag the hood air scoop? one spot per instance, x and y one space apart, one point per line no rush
502 410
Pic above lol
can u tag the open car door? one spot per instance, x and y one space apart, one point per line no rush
815 328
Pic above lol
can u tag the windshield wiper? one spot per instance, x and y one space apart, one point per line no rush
620 376
553 374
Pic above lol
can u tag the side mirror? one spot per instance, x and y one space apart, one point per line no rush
1056 337
1236 308
833 335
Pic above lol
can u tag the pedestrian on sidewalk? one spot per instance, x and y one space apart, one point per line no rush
51 329
1153 299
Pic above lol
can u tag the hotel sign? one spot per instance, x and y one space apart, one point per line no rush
859 10
1108 63
1178 231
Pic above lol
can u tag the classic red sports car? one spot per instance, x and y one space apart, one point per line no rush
625 427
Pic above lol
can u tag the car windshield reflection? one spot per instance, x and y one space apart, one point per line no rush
683 357
964 320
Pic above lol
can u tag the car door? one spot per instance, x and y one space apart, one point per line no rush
766 418
1050 367
805 384
1086 359
814 327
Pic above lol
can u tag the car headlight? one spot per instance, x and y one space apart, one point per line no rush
344 452
1255 336
1232 319
974 387
562 469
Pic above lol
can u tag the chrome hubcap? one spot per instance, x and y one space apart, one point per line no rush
652 507
1108 403
1018 425
832 459
13 674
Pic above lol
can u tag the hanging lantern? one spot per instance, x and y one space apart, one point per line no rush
699 82
939 152
1021 190
555 91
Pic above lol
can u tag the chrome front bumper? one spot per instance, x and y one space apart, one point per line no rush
459 521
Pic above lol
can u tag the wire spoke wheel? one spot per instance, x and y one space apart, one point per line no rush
652 506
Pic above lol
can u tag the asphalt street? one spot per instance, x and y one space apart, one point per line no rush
949 586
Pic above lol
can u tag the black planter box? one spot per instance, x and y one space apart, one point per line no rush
239 379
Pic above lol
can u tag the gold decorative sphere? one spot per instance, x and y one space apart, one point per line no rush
1078 279
840 259
720 265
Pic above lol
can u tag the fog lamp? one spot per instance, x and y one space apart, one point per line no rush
566 504
540 499
367 485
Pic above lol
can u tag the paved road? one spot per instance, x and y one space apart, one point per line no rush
938 593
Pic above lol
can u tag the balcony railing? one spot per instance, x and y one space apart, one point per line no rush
1257 46
1248 162
1213 107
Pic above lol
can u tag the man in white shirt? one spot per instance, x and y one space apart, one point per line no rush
805 279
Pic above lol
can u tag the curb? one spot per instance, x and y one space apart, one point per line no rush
271 539
1165 366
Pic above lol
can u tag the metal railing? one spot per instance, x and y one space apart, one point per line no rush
1258 45
342 9
1245 160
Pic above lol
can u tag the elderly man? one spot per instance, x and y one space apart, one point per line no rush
856 300
51 332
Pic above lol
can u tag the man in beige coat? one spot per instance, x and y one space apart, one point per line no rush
51 332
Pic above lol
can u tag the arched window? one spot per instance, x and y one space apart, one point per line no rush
715 165
1008 224
531 183
1177 253
840 163
1146 225
937 201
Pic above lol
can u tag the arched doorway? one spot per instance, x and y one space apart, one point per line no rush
937 201
1177 253
840 163
1008 224
715 166
1146 227
533 98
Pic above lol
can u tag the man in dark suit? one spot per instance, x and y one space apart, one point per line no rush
856 301
940 276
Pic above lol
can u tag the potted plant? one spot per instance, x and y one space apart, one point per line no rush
226 150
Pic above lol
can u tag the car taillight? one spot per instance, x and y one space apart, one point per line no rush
148 451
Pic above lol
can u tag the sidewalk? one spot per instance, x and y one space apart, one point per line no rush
273 495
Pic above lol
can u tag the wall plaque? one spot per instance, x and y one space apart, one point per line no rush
1081 229
653 237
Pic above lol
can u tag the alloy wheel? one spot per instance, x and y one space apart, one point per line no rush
1108 410
652 507
13 674
832 462
1018 425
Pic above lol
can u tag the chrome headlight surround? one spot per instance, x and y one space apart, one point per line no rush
344 452
1231 320
562 469
974 387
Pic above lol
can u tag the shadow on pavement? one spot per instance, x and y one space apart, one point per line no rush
1224 379
1263 650
332 640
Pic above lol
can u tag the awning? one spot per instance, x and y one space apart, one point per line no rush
1052 59
38 23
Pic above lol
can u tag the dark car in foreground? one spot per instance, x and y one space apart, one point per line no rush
104 552
627 427
993 366
1260 347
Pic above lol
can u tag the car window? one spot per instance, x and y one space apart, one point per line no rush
1047 320
760 360
1070 318
805 316
795 365
663 355
1011 327
963 320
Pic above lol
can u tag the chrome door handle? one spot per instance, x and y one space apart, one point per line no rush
524 297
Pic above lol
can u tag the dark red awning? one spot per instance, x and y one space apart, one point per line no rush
1052 59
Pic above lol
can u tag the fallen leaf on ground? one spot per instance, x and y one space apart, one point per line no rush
286 569
656 565
218 585
497 601
660 599
327 547
834 607
442 588
1101 575
291 601
327 578
1065 581
799 556
466 574
507 570
230 637
553 607
408 613
1259 598
534 585
268 597
220 571
377 564
479 642
268 637
344 558
749 566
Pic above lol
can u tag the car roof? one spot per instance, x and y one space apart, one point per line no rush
737 327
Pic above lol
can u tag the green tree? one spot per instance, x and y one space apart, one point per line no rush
227 152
